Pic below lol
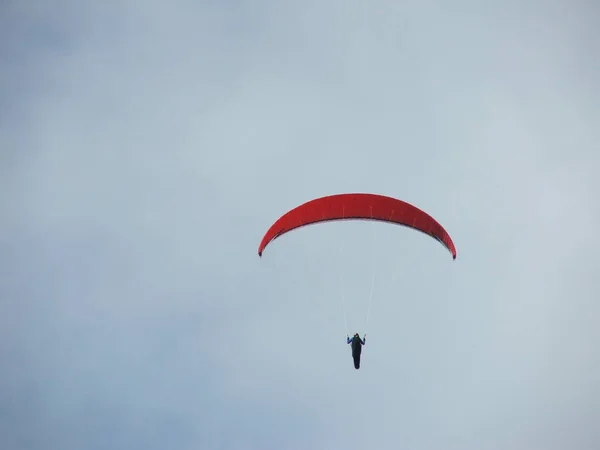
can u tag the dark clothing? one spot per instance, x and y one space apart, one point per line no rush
357 344
356 341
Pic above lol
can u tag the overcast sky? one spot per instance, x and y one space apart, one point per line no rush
145 147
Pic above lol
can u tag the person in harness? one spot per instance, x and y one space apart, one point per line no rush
357 344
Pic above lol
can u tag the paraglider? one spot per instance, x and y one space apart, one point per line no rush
357 344
357 206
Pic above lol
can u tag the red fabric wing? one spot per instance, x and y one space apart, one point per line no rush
358 206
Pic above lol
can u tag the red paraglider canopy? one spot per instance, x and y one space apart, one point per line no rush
358 206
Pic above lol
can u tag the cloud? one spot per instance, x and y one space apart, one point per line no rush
145 148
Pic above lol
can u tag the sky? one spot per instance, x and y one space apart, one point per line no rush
145 148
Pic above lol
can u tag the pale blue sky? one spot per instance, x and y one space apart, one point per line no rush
145 147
